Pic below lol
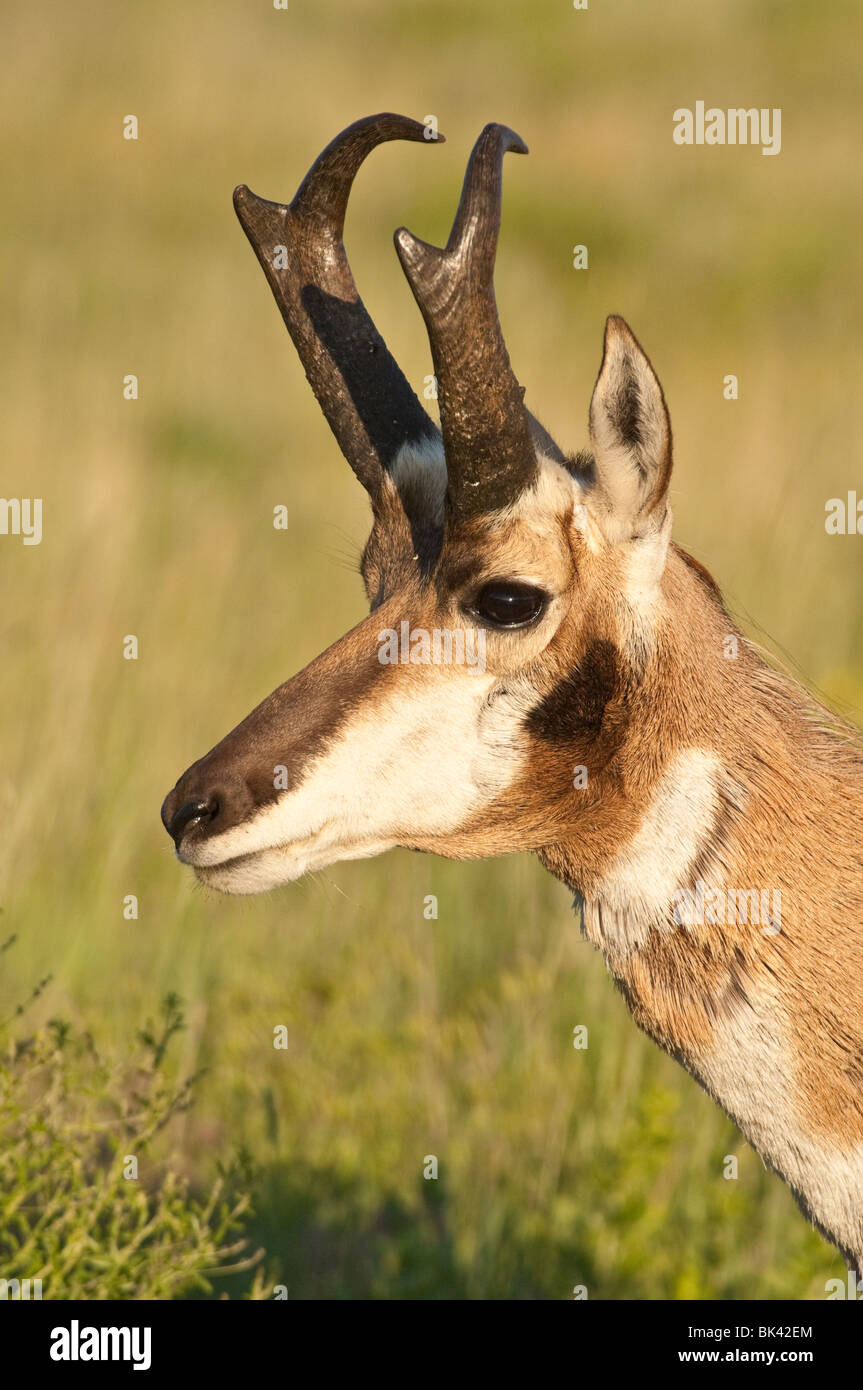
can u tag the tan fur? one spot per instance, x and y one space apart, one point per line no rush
789 807
607 728
700 769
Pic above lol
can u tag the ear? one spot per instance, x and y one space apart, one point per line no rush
630 434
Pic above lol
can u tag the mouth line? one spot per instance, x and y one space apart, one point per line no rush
232 862
309 855
189 854
293 849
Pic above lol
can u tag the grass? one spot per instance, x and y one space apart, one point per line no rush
408 1037
84 1209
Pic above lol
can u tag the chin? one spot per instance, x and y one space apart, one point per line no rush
263 869
253 873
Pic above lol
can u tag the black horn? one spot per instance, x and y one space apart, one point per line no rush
489 437
365 397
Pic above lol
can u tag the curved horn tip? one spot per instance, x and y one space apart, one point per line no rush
511 142
409 129
369 131
327 185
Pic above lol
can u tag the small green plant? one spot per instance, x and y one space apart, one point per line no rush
84 1207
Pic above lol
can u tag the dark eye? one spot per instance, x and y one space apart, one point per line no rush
509 604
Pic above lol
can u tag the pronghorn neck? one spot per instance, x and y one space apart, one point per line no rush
730 909
661 788
691 744
723 773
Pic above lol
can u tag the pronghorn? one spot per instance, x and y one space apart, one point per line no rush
613 728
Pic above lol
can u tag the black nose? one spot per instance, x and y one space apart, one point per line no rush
190 813
209 799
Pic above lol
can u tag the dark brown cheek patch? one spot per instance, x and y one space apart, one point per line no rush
573 712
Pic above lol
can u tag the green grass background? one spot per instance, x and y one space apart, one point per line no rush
408 1037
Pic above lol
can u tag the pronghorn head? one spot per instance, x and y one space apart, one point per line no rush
512 587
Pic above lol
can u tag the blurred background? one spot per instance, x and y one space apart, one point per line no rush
408 1037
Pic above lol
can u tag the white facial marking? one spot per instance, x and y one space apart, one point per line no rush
419 760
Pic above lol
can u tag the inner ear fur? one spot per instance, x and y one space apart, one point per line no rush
630 435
